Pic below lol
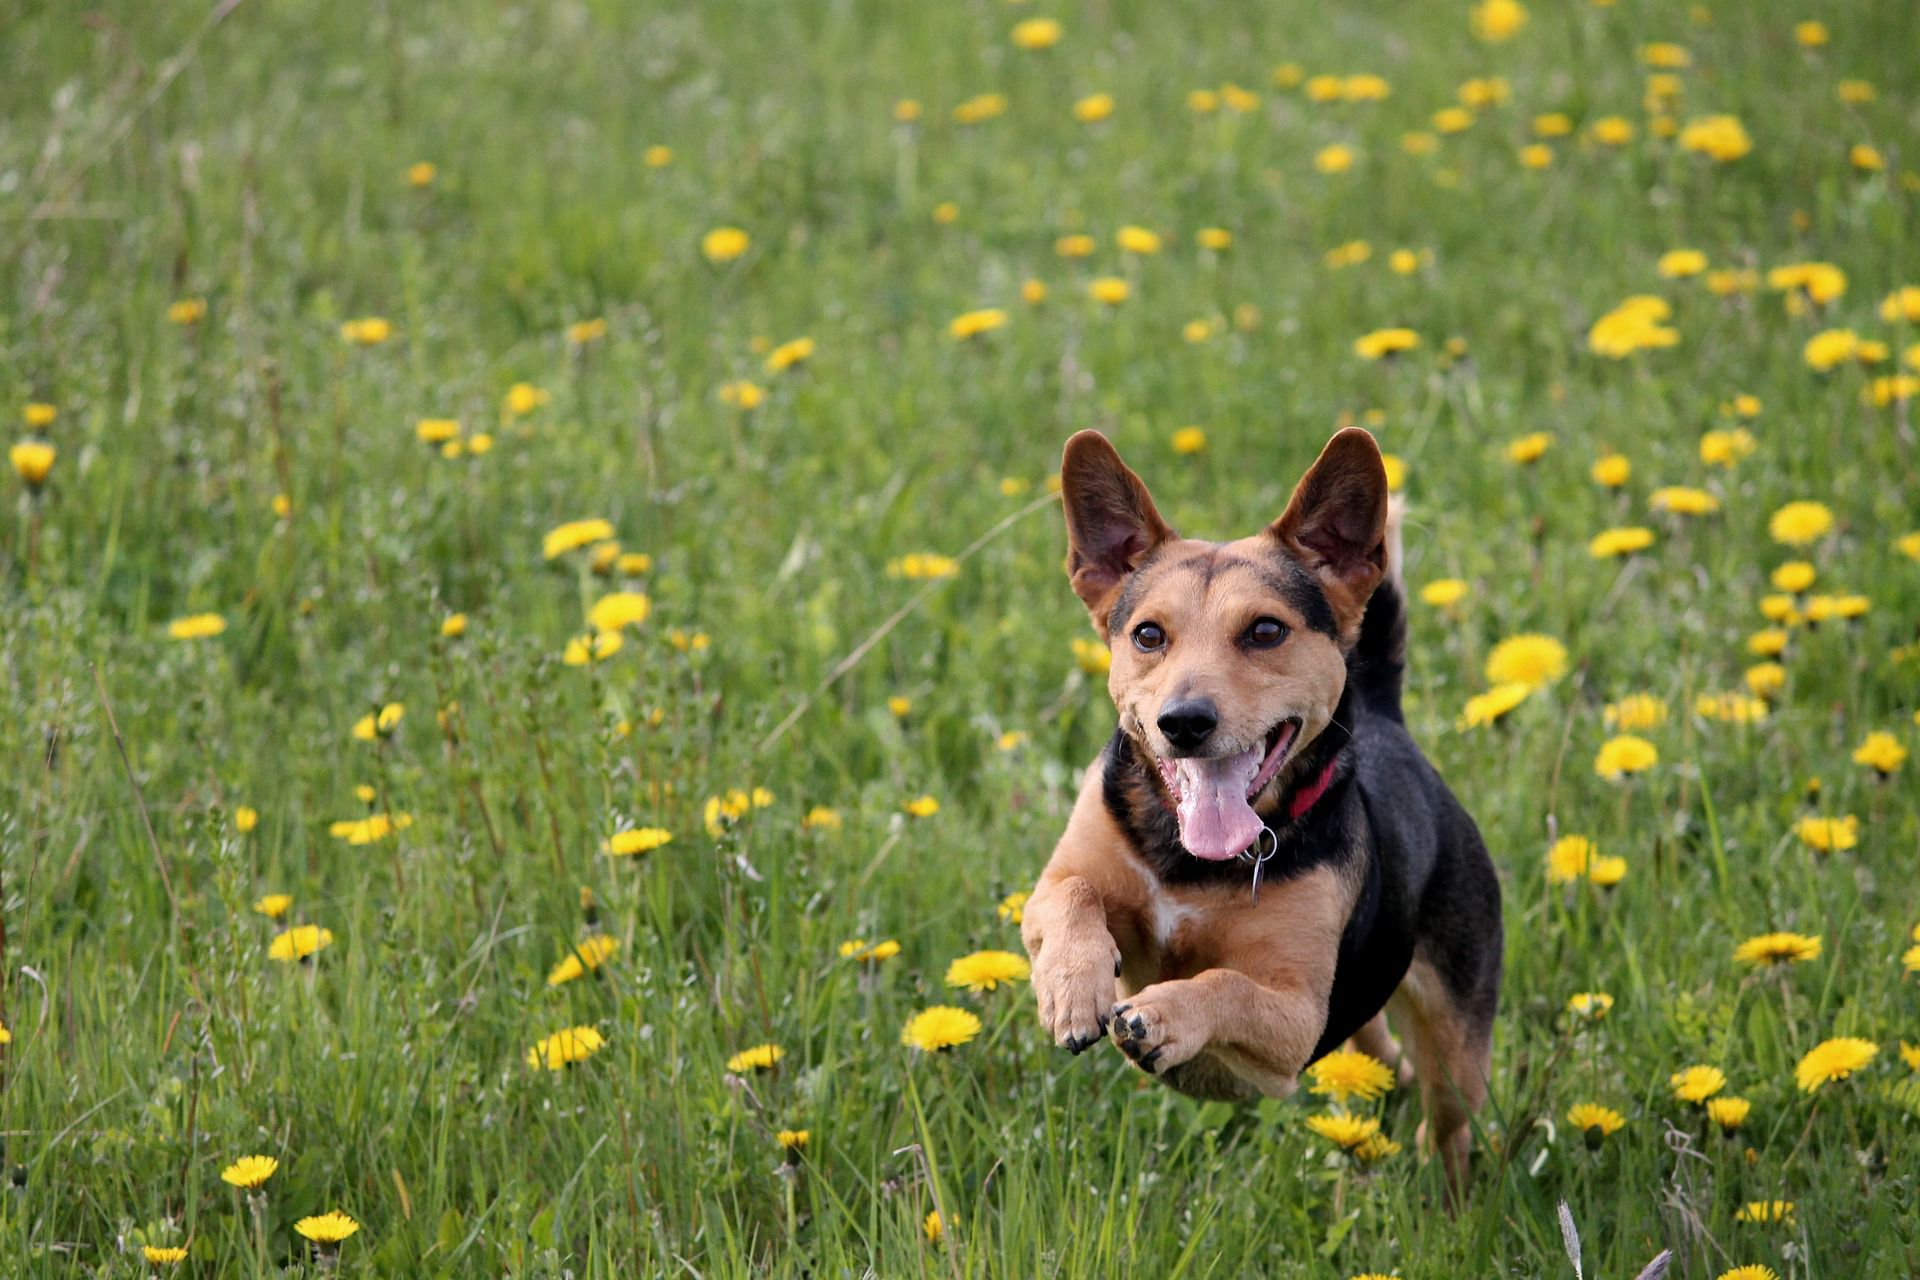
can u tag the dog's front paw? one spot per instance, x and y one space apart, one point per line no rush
1161 1026
1075 987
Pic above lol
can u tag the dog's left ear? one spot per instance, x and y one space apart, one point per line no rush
1336 524
1111 522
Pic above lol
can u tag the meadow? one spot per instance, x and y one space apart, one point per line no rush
535 634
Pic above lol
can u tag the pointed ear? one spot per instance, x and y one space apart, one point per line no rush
1111 523
1336 524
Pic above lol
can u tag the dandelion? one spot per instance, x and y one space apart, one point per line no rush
793 1142
1619 542
1683 500
585 958
1444 593
245 818
1728 1112
1721 138
379 724
274 906
1697 1084
299 942
573 535
1611 131
1726 448
821 818
1346 1074
1881 752
869 953
1012 908
1216 239
367 331
1382 343
922 807
789 355
1093 108
1833 1060
187 312
1606 872
1333 159
1636 711
163 1255
1828 835
33 462
199 626
1137 240
249 1173
1487 708
975 110
986 970
1536 156
1829 349
565 1047
1343 1131
619 610
939 1027
1591 1005
933 1227
1624 756
1189 441
1778 948
1595 1122
595 647
370 829
760 1057
1568 858
1496 21
1037 33
972 324
724 244
1530 658
1766 1211
1109 290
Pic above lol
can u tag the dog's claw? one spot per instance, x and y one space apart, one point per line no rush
1147 1061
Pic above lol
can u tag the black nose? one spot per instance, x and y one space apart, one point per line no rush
1187 723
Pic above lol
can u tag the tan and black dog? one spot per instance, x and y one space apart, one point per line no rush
1261 860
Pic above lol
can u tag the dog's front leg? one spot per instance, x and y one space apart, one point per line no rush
1262 1034
1075 960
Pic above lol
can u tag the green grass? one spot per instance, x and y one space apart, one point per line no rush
154 1040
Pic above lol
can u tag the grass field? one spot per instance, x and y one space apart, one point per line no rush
334 316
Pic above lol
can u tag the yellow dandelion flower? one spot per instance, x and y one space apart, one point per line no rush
1596 1122
33 462
1683 500
1093 108
1636 711
1828 835
1749 1273
274 906
187 311
821 818
379 724
986 970
1624 756
249 1173
1347 1073
1444 593
869 952
922 806
163 1255
1530 659
367 331
1189 440
1612 543
573 535
327 1228
1495 21
760 1057
1728 1112
299 942
1110 290
1593 1005
619 610
1612 471
583 959
1778 948
1382 343
1881 752
199 626
1333 159
972 324
1487 708
1832 1060
724 244
1035 34
1766 1211
789 355
1697 1084
939 1027
598 646
565 1047
1344 1131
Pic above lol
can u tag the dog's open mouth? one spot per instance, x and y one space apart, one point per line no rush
1213 796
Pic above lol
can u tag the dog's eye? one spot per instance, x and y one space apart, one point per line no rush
1265 633
1148 638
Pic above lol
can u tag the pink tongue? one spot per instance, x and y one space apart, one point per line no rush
1216 822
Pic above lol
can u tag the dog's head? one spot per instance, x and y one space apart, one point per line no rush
1229 658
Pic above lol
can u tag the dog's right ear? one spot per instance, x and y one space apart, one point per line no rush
1111 522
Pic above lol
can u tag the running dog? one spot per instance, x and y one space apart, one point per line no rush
1261 861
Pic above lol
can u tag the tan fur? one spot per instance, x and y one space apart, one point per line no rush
1452 1067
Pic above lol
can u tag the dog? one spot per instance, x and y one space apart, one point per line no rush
1261 861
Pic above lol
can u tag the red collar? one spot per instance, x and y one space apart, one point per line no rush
1308 796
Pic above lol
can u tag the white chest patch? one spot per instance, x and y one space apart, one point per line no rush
1169 916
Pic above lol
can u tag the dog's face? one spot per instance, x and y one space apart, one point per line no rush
1228 658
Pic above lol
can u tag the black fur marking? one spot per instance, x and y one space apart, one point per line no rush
1379 658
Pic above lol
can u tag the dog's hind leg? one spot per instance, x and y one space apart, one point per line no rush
1451 1050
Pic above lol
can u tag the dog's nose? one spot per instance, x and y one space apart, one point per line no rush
1187 723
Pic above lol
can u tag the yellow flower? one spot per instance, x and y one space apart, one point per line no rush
1636 711
1749 1273
618 610
869 953
1568 859
977 109
274 905
907 110
436 431
573 535
1606 872
583 959
923 564
789 354
1093 108
1611 131
1418 142
1725 448
565 1047
1203 102
1218 239
245 818
1590 1004
1137 240
299 942
986 970
1881 752
1486 708
1037 33
1811 35
1395 468
1623 756
1765 679
971 324
1530 659
1333 159
1832 1060
1828 835
1818 282
1350 254
939 1027
368 331
163 1255
1033 292
32 461
933 1227
370 829
1012 908
1683 500
523 398
1619 542
379 724
1721 138
946 212
1778 948
249 1172
1766 1211
923 806
1343 1131
1091 657
582 332
657 156
1453 120
821 818
1769 642
1830 348
1189 440
899 706
1612 470
1728 1112
1536 155
1697 1084
594 647
1111 290
1866 157
1855 92
760 1057
187 311
1079 245
1903 304
1444 593
793 1141
1799 524
1385 342
1495 21
724 244
1633 325
627 844
1595 1121
1375 1149
1347 1073
199 626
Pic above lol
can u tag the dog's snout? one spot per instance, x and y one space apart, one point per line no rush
1187 723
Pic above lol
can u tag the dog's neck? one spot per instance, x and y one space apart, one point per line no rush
1295 809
